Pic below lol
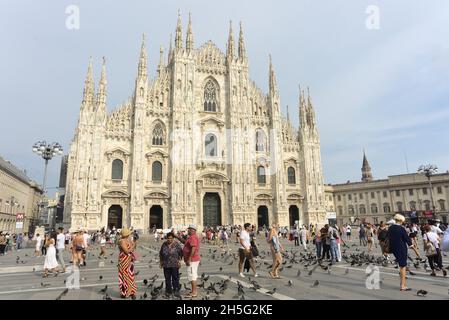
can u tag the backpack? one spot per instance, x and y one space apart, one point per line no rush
386 243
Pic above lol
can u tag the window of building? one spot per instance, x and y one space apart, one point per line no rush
399 206
387 208
427 205
351 209
210 144
424 190
349 196
373 195
373 208
410 192
158 135
398 193
117 169
156 171
412 205
385 194
210 97
261 140
442 205
291 176
340 210
339 197
361 196
261 177
439 190
362 209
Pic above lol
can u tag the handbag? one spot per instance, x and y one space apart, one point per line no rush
254 250
430 249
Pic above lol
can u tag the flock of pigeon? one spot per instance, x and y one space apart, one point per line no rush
306 262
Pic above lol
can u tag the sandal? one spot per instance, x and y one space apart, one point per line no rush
191 296
406 289
271 275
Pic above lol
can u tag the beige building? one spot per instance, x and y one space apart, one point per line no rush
378 200
18 194
200 143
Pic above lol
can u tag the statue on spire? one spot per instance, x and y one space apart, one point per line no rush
242 50
178 36
142 69
189 37
89 86
230 49
101 94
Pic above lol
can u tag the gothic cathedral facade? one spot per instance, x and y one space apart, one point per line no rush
200 143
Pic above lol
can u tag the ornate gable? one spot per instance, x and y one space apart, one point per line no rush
210 59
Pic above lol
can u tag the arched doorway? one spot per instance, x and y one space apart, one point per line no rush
115 215
262 217
156 217
293 213
211 210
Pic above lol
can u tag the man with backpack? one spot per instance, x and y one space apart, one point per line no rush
382 236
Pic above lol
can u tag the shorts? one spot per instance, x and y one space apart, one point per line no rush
192 271
348 233
66 242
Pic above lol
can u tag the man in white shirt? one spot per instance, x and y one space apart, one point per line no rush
60 246
303 237
245 250
37 251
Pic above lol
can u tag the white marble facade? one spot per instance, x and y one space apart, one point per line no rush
191 143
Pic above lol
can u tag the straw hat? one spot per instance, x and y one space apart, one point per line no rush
399 217
125 232
192 226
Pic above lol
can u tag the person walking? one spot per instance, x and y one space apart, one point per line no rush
333 236
245 252
77 248
60 248
362 235
303 234
296 236
50 262
348 232
37 249
381 237
369 237
432 247
126 276
2 243
102 246
191 256
317 242
399 242
19 240
325 242
45 244
170 257
276 248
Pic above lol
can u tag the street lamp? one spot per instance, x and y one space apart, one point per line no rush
428 170
47 152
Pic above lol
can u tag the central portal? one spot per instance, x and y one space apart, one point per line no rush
211 210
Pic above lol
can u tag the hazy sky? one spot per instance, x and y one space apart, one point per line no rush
385 90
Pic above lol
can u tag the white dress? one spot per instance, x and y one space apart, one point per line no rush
50 258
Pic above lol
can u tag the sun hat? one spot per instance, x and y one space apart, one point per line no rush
125 232
399 217
192 226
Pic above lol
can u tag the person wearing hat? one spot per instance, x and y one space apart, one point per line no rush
126 258
399 244
191 253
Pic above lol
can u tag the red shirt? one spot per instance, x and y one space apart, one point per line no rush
192 241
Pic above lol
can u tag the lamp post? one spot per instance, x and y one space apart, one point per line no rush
428 170
47 152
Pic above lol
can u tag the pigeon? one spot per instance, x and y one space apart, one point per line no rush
101 277
422 293
315 284
298 273
112 261
145 282
104 289
290 283
137 272
412 273
272 291
346 271
45 284
230 263
62 294
107 297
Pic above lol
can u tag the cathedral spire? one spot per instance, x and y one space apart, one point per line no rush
366 169
189 37
310 110
170 47
178 36
160 67
288 116
272 79
230 50
302 109
89 86
101 94
242 50
142 69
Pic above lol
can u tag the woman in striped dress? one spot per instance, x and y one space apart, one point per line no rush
126 258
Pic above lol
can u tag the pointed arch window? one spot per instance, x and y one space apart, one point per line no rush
210 145
291 175
158 135
156 171
261 176
261 141
210 97
117 169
